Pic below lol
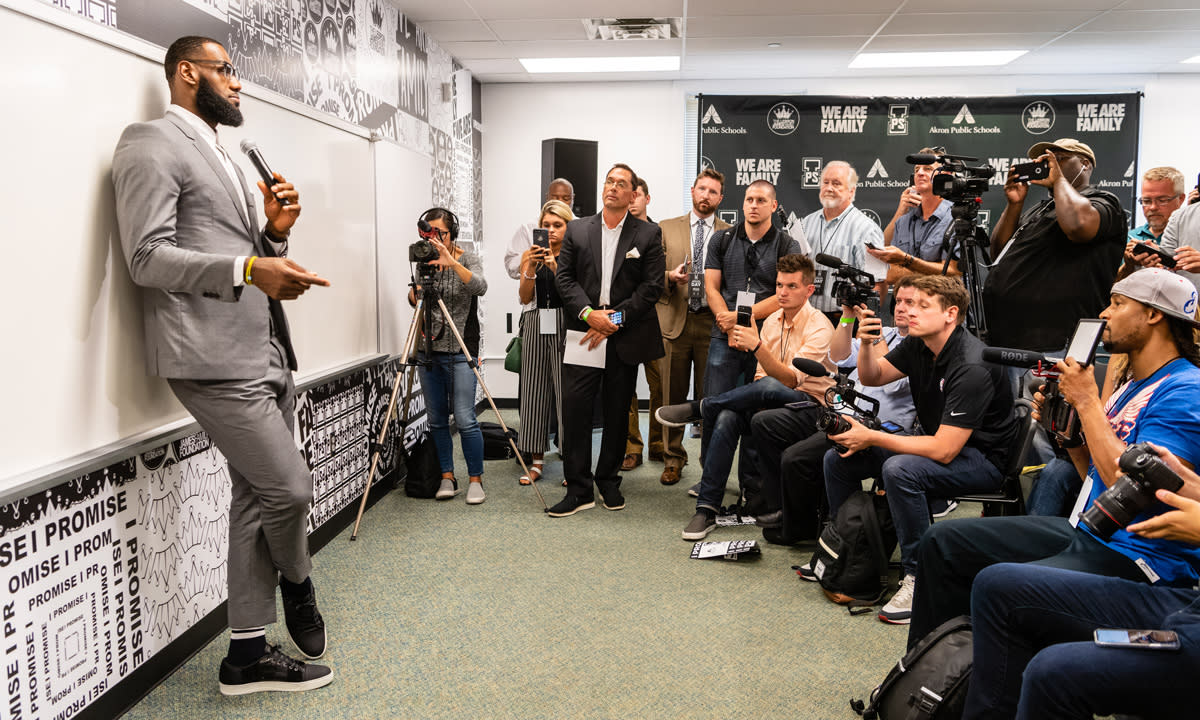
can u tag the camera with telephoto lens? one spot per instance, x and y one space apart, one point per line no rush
1142 474
422 251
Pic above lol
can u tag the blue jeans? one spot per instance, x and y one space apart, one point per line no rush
910 482
1035 658
1055 490
725 370
450 380
726 420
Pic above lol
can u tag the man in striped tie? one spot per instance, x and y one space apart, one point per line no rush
683 310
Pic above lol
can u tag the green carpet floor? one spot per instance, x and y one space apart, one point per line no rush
445 610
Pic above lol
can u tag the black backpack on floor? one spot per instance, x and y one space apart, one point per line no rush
851 561
930 682
423 473
495 441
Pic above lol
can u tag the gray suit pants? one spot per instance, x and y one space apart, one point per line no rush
250 422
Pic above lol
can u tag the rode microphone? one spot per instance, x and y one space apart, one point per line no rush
830 261
920 159
1016 358
251 149
810 367
426 231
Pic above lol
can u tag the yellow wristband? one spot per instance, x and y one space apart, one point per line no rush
249 264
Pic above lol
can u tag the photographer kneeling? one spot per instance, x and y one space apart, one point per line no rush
1034 654
1150 317
446 378
964 403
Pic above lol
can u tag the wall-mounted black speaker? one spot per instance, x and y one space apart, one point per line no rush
574 160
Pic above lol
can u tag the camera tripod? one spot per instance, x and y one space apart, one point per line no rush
427 296
962 241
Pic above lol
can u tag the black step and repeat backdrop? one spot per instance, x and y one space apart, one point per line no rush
788 139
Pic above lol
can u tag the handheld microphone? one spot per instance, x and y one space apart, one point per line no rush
251 149
829 261
920 159
1016 358
810 367
426 231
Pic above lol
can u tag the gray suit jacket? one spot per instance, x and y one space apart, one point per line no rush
181 231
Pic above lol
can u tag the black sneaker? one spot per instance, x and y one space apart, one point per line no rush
703 522
570 505
678 415
273 671
305 624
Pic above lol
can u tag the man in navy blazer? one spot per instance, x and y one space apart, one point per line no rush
609 263
211 284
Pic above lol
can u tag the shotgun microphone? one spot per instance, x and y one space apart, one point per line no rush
1016 358
251 149
810 367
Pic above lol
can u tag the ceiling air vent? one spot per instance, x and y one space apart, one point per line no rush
632 28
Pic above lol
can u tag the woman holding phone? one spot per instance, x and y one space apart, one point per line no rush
542 333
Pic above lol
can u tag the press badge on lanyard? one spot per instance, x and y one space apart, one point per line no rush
547 321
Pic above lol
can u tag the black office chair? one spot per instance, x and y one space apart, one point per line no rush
1009 500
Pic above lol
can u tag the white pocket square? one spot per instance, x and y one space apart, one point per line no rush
633 254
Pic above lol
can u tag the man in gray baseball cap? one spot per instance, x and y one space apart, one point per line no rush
1164 291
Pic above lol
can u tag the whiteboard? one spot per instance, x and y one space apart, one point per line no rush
74 376
402 182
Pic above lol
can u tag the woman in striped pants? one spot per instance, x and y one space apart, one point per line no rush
542 332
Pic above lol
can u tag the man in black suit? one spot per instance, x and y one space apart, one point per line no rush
609 263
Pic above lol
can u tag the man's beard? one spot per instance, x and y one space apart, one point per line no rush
214 108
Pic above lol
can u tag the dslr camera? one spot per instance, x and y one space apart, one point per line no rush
1142 474
842 396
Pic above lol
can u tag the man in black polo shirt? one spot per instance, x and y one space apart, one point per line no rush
1059 258
963 403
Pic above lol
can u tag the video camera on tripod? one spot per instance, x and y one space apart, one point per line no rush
964 186
955 180
1057 416
843 397
852 287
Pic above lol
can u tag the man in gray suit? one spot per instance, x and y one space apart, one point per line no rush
212 283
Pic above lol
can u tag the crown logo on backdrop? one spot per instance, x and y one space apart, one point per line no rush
783 113
1038 111
376 15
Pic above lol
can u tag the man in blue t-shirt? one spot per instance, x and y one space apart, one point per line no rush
1151 316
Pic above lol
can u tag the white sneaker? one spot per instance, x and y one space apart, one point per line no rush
898 611
448 489
475 493
945 507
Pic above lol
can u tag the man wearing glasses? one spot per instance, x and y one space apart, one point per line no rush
212 280
1179 232
1055 262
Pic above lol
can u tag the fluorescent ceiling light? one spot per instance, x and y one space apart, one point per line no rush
658 63
1192 59
955 58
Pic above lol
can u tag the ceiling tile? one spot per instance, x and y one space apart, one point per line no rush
1120 21
448 31
985 22
725 46
787 7
767 26
508 30
425 10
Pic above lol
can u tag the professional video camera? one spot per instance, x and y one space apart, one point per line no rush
1132 493
1057 416
852 286
843 398
964 240
955 180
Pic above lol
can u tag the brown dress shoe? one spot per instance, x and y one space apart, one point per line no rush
631 461
670 475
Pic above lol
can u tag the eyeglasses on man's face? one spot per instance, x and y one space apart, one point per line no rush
224 68
1144 201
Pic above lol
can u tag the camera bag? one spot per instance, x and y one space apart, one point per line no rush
930 682
495 442
851 560
423 474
